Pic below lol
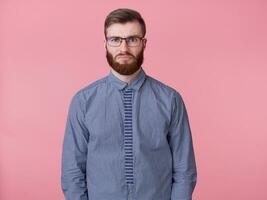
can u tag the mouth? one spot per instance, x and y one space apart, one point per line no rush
124 57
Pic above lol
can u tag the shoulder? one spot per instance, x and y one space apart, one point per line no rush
164 91
163 87
89 90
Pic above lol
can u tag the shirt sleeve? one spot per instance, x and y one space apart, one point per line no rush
74 153
184 174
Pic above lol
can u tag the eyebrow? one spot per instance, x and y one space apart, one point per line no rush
126 37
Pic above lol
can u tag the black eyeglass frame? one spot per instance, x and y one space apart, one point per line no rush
125 38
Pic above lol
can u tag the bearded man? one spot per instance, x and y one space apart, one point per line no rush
127 135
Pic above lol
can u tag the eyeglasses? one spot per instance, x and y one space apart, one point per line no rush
131 41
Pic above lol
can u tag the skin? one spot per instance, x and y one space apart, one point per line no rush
120 53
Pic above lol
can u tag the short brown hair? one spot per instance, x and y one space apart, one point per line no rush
124 15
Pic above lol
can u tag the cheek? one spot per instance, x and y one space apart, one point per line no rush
136 52
112 52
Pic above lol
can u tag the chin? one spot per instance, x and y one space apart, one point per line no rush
125 62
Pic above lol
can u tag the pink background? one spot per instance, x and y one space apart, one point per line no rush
213 52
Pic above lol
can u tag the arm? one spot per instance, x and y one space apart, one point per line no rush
181 145
74 153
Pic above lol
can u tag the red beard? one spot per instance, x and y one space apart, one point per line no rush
126 69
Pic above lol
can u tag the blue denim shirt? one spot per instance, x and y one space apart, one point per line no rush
93 154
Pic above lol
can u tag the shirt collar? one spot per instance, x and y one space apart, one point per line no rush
135 83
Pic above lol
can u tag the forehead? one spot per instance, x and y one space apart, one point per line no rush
124 30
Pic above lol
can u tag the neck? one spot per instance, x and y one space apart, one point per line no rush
125 78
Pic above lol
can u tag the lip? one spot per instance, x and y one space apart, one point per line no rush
124 56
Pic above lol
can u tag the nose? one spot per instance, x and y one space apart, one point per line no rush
123 46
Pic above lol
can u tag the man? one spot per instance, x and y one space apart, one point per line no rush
127 135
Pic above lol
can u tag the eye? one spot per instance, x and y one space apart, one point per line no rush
114 39
132 39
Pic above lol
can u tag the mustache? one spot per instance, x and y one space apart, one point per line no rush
124 54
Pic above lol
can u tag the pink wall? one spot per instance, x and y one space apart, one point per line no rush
213 52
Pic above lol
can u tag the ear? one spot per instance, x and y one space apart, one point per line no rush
105 43
144 42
